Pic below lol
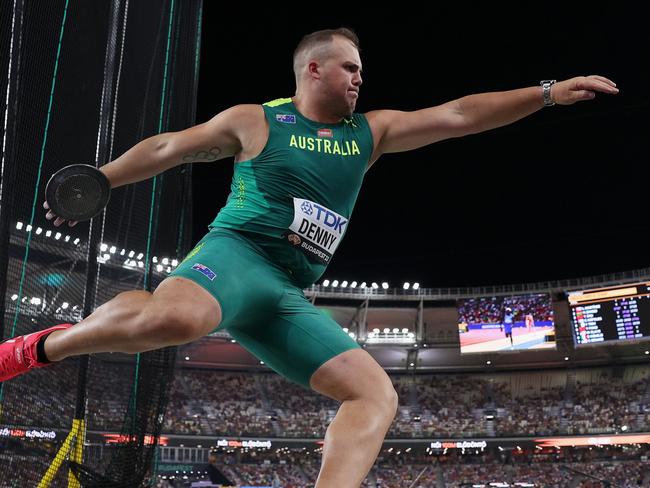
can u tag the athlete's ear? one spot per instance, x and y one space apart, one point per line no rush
313 68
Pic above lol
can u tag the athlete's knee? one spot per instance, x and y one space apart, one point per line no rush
382 401
387 397
394 399
354 375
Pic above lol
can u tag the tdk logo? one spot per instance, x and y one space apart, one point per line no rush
326 217
286 118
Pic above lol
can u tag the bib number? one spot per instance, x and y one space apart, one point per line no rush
316 230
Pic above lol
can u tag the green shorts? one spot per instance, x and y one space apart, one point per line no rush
261 308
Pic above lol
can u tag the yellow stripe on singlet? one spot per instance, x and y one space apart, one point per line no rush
277 102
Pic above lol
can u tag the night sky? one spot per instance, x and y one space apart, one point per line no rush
560 194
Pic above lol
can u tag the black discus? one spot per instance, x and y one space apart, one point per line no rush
77 192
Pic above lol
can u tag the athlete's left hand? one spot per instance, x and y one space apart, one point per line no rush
580 88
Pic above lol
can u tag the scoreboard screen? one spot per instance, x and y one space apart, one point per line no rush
612 314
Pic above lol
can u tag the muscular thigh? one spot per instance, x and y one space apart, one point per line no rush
297 340
239 277
181 300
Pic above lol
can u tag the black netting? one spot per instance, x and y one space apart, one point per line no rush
82 82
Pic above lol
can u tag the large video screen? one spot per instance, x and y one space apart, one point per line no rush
612 314
506 323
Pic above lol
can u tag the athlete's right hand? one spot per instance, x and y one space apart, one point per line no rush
58 220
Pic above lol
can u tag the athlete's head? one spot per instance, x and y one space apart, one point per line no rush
327 64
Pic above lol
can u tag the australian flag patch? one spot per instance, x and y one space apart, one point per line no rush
201 268
286 118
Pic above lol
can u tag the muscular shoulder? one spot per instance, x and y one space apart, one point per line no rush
244 118
252 130
378 122
246 111
398 131
246 125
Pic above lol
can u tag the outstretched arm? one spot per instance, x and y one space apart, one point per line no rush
396 131
225 135
218 138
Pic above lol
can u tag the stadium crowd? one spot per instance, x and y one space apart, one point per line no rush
571 467
239 404
430 406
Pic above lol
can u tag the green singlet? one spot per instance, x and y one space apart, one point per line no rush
287 212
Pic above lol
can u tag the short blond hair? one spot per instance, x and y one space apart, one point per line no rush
320 40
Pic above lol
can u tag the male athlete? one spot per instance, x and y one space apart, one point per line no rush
299 165
508 323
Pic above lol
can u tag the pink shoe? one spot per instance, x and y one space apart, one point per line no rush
18 355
